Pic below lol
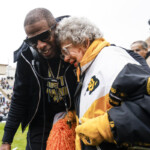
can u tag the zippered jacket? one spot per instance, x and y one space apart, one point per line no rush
92 94
27 92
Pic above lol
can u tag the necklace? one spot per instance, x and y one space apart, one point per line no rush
56 95
57 71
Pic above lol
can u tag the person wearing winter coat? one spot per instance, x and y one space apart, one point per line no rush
102 122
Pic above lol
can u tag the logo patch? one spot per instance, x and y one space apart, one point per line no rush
94 83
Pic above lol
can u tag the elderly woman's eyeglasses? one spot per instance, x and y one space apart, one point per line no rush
44 37
65 51
138 50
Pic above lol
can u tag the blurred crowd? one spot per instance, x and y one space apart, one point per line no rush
4 107
5 84
5 97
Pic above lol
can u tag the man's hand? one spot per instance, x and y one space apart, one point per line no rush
5 147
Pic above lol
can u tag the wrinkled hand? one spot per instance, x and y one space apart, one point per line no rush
5 147
94 131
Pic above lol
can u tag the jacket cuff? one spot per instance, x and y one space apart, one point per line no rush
8 137
105 128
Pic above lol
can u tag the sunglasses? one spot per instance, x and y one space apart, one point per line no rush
44 37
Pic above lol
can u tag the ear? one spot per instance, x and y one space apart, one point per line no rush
84 46
87 43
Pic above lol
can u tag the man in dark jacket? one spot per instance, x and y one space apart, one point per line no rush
44 84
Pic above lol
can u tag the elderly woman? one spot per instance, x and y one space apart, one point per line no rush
98 64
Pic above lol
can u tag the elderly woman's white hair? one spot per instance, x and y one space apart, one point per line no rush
77 30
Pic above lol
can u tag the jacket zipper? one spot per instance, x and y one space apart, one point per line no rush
67 86
39 91
98 148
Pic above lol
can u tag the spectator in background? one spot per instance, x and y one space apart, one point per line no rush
148 43
3 98
148 53
141 48
1 116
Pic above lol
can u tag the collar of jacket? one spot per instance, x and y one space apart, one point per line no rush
90 54
22 48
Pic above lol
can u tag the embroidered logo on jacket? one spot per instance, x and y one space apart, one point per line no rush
94 83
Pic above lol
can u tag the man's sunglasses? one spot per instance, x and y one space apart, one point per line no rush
44 37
